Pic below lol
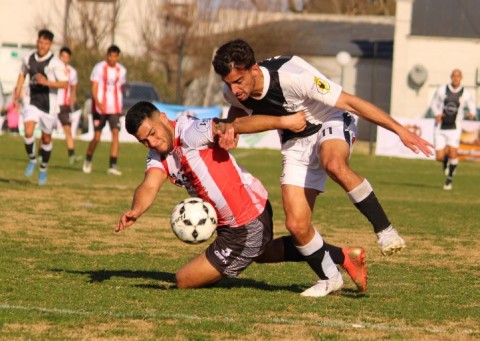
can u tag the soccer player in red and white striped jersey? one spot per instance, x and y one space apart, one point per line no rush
66 100
107 79
185 151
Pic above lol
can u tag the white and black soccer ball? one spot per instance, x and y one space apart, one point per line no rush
193 220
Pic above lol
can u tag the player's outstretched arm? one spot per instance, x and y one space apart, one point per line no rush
143 198
379 117
228 129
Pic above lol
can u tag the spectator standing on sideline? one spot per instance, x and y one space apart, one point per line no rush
185 152
107 79
67 98
47 74
283 85
448 106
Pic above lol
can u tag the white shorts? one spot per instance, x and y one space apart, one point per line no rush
46 122
447 137
301 165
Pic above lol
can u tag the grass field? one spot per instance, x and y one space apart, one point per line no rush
64 273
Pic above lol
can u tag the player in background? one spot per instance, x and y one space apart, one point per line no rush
282 85
47 74
107 79
67 98
185 152
448 106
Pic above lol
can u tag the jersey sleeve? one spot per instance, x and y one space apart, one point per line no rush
60 71
73 76
198 134
436 106
314 85
154 161
95 76
24 67
470 103
123 76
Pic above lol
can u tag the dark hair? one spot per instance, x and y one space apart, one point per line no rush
66 50
137 114
234 54
45 34
114 49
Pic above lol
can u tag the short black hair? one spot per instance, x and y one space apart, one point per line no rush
47 34
234 54
66 50
137 114
114 49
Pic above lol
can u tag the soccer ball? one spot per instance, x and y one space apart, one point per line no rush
193 220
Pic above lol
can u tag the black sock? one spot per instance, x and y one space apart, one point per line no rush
113 162
88 158
445 161
45 157
336 253
371 208
315 262
451 169
71 152
29 148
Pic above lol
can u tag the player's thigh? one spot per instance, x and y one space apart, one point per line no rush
333 153
197 273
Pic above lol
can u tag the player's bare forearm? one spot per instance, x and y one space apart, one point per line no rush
379 117
259 123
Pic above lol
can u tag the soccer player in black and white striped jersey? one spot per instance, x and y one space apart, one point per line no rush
47 74
448 106
286 84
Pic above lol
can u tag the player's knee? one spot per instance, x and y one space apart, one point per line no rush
298 228
336 169
182 281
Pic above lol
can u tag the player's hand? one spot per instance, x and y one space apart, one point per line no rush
296 122
41 79
228 140
438 119
127 219
415 143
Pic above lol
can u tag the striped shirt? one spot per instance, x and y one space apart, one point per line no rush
211 173
64 95
110 80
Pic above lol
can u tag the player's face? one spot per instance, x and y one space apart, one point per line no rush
43 46
243 82
112 58
65 58
155 133
456 78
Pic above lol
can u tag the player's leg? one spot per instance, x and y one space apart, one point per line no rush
30 120
453 142
352 259
98 124
197 273
114 122
45 153
298 204
64 118
334 153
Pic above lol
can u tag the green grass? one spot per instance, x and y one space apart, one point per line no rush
66 275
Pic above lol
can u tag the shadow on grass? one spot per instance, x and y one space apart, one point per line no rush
168 281
15 181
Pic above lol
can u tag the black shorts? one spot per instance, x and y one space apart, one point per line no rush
64 115
99 121
235 248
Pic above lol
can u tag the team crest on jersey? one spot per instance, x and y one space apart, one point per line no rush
322 85
201 126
